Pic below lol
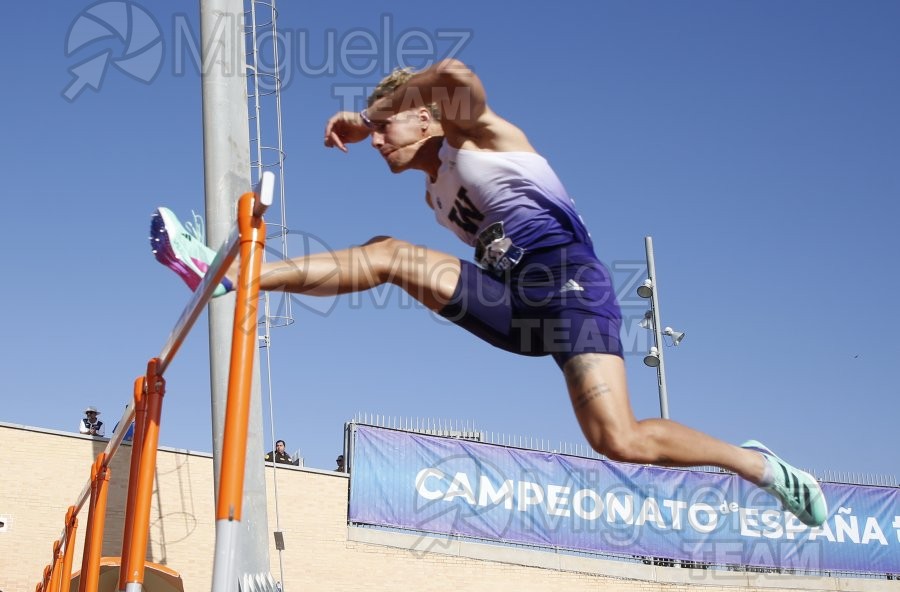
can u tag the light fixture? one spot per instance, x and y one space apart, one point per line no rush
645 290
676 336
652 358
647 321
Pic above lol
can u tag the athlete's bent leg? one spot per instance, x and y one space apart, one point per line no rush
599 395
428 276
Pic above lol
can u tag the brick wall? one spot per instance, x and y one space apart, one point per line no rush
44 471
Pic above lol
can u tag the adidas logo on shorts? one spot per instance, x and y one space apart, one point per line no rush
571 286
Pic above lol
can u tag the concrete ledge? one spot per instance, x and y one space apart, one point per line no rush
444 545
79 436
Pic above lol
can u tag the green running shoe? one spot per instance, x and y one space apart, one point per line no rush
798 491
182 249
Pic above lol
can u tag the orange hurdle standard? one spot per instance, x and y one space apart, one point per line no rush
155 386
237 409
93 543
249 237
45 582
71 529
56 572
137 445
60 569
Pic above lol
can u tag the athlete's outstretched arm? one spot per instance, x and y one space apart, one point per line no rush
449 84
345 127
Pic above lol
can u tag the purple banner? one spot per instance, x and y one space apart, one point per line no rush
460 487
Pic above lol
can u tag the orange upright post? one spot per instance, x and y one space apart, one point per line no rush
137 446
71 529
45 579
56 570
243 346
93 540
140 529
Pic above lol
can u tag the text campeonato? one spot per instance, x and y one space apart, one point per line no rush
619 508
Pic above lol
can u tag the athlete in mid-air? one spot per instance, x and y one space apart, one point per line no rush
536 287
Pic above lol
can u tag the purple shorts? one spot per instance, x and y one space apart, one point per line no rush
558 301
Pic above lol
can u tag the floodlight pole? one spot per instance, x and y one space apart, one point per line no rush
657 330
226 159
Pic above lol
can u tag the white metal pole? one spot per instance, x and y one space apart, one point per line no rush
657 330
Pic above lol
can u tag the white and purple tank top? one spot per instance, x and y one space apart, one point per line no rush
475 189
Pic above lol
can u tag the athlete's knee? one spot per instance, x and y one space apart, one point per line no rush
383 253
619 448
380 249
389 246
622 445
382 240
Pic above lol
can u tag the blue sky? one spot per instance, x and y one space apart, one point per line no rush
757 142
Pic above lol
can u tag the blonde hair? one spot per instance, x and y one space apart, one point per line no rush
394 80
